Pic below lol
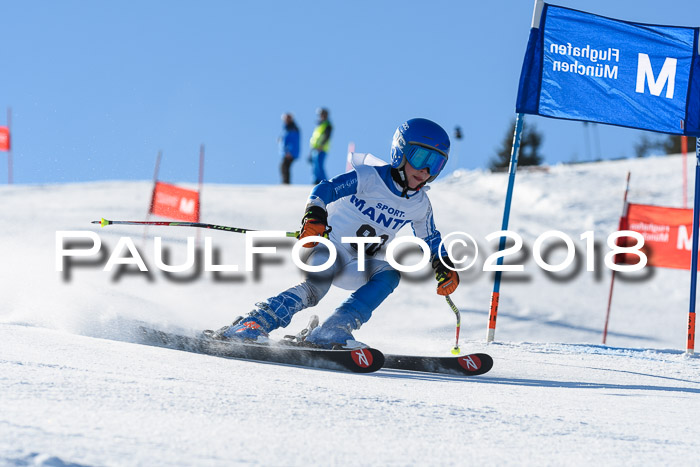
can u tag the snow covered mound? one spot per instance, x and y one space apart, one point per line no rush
77 391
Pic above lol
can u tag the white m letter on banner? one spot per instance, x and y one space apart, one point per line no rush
684 241
666 76
187 206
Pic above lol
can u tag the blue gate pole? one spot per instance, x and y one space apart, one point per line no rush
690 347
493 308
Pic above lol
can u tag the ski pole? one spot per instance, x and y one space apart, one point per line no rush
455 350
104 222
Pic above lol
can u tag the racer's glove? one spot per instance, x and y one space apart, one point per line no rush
448 280
314 223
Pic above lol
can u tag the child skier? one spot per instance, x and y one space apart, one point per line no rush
369 201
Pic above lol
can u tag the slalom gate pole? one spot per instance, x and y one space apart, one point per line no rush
153 193
200 186
612 277
104 222
455 349
9 152
690 347
684 172
493 309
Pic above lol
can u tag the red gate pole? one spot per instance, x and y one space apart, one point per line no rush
199 189
612 278
153 193
201 178
9 149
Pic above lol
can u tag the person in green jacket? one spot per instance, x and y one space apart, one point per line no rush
320 144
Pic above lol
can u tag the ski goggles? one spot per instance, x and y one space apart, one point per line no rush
421 157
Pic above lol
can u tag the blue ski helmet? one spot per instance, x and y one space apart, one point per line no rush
423 144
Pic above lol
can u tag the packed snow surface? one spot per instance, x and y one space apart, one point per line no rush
75 388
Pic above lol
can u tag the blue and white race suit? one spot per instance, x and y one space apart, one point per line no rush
364 202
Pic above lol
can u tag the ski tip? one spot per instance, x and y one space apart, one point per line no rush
475 364
468 364
365 360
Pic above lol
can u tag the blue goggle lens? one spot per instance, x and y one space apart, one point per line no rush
421 157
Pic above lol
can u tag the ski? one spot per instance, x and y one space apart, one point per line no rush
470 365
364 360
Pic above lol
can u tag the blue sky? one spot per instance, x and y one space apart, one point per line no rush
97 88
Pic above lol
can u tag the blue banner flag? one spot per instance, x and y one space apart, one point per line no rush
580 66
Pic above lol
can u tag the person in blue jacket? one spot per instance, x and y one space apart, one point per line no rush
289 146
375 199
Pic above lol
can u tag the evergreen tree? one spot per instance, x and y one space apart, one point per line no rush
672 145
664 144
647 145
530 142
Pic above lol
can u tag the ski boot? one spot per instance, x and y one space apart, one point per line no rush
254 327
242 329
335 333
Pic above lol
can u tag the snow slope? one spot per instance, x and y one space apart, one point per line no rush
75 391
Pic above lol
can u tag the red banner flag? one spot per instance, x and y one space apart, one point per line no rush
175 203
4 138
666 232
